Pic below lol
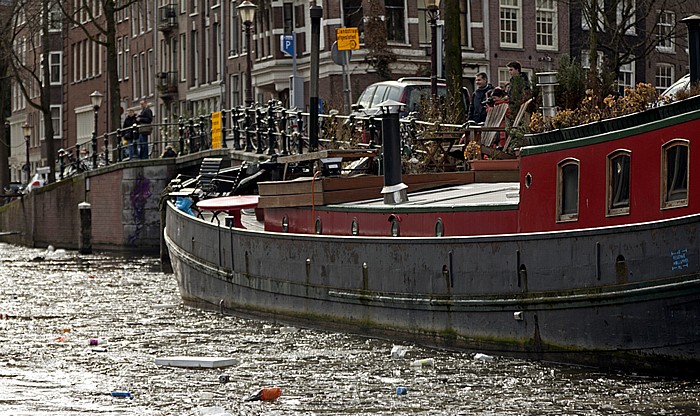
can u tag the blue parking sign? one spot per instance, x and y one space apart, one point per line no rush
287 44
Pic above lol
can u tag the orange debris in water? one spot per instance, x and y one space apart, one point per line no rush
265 394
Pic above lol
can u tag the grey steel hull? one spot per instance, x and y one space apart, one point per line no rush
620 297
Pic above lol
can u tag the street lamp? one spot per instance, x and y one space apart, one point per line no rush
96 99
247 12
27 131
433 7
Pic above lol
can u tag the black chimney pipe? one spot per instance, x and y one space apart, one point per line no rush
693 23
394 190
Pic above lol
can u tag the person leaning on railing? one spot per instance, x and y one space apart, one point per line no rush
144 120
128 134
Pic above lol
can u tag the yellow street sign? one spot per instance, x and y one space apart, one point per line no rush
216 130
348 38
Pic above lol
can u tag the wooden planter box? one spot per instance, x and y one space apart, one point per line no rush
494 164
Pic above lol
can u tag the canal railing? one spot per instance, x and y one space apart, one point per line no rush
268 129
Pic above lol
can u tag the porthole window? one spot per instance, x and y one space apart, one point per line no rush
618 183
567 190
528 180
354 227
395 232
285 224
674 176
439 228
318 225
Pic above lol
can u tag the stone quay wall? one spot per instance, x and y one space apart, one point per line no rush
124 201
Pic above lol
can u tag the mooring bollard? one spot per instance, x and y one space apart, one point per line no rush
85 242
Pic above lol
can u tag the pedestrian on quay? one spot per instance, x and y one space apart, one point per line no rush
477 108
519 82
144 119
128 133
168 152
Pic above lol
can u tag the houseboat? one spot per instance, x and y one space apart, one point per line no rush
586 253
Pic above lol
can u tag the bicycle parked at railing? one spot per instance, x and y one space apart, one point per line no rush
71 164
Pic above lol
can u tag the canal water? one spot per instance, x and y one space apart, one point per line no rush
55 304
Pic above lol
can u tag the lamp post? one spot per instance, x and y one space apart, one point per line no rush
96 100
27 131
246 11
433 7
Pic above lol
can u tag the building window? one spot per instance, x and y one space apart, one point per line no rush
664 76
150 75
423 23
55 17
567 190
626 16
134 84
120 57
664 32
465 23
395 20
511 24
546 25
56 122
352 16
55 67
235 90
234 32
675 174
288 17
618 189
194 51
126 57
183 57
587 14
626 78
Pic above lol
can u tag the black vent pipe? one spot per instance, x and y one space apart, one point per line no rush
693 23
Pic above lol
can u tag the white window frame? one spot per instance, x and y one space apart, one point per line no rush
546 15
514 7
56 68
586 25
627 73
666 22
631 30
665 76
183 57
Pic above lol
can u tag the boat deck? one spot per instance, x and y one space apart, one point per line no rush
471 196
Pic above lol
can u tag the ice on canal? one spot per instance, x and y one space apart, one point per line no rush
80 335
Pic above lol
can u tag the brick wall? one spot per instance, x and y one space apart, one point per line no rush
124 204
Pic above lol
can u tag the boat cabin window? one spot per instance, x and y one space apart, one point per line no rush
618 177
567 190
675 174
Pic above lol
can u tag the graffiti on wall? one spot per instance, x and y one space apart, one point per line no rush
139 197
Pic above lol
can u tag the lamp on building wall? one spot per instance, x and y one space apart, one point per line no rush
433 7
247 12
27 131
96 100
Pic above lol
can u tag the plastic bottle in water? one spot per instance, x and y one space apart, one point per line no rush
401 390
425 362
121 394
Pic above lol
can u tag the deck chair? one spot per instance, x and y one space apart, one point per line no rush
519 119
494 118
207 172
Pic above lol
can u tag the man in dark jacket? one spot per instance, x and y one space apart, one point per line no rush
128 133
477 108
144 120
